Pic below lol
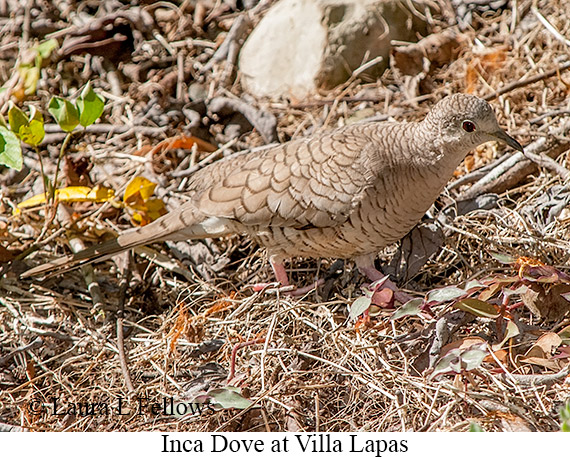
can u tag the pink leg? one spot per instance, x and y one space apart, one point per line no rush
283 279
366 266
279 271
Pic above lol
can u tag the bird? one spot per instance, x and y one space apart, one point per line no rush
346 193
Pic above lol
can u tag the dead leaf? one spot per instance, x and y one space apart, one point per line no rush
7 255
177 142
502 355
111 36
511 331
76 170
462 344
484 65
547 302
545 346
437 49
551 364
512 423
490 292
263 121
138 191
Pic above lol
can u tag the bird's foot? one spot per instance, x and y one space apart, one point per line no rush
287 289
385 292
385 297
283 280
305 290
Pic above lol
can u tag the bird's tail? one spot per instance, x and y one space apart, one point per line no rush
185 223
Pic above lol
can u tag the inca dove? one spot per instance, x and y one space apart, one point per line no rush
346 193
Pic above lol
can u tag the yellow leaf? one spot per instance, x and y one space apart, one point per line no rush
33 201
155 208
138 191
100 194
138 218
70 194
74 193
149 211
29 76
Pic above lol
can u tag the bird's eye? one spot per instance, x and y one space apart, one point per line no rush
468 126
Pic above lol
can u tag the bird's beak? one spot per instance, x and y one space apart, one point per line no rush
501 135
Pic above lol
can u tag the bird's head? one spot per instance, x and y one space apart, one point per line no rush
465 121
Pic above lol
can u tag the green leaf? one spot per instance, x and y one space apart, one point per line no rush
474 284
359 305
90 106
565 335
445 294
459 360
478 308
229 397
510 332
565 418
33 133
503 258
411 308
447 364
10 149
45 48
17 119
518 291
475 427
473 358
376 285
64 112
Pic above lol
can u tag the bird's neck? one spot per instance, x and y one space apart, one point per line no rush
443 157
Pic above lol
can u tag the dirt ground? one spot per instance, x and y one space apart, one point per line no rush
178 321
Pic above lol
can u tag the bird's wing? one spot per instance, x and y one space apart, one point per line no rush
309 182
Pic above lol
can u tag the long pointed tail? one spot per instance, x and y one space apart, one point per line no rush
183 223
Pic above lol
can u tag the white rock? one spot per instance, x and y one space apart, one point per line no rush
301 45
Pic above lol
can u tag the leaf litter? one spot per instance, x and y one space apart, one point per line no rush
504 264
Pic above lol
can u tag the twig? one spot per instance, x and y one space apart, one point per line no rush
235 350
549 26
55 135
40 243
11 428
38 342
527 81
230 46
546 162
126 274
538 380
76 244
209 159
556 112
330 101
479 173
517 167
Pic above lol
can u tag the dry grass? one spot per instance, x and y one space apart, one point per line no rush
312 369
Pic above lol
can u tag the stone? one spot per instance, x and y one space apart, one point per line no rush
302 45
